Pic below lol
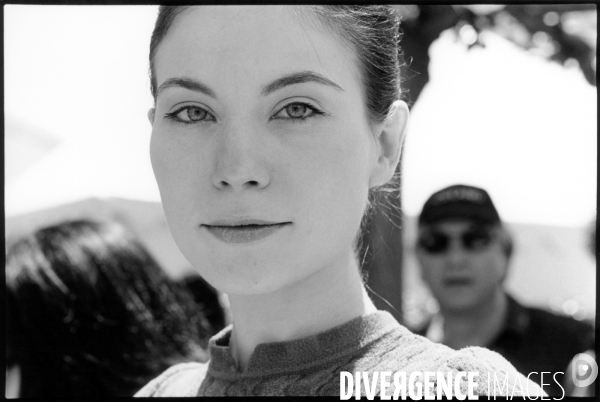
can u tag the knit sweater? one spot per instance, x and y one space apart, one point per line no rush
311 366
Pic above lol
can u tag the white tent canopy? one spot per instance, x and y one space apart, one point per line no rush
80 75
98 166
522 127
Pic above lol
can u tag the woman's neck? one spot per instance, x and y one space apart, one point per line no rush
330 297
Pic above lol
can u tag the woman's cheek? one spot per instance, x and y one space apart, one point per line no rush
168 163
164 153
344 191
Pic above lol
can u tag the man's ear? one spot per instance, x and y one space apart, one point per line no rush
505 267
151 113
390 136
507 245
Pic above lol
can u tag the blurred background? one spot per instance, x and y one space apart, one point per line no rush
502 97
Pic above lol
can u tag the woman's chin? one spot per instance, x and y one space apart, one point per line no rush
250 286
252 277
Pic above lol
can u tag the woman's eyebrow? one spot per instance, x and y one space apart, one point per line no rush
297 78
187 83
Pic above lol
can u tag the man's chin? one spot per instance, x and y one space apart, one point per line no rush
460 303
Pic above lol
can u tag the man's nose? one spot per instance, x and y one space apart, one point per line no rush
456 254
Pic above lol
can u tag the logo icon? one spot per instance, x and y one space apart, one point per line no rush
585 370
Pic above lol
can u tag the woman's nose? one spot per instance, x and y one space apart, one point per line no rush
240 159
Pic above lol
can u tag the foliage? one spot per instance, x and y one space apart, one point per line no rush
564 33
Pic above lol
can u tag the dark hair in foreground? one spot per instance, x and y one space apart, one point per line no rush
90 313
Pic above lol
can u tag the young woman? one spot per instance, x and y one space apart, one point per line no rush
91 314
271 126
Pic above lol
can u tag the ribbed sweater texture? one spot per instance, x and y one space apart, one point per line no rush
311 366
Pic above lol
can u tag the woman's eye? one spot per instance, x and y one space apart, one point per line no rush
190 114
297 111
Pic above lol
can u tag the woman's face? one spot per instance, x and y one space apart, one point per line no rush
260 145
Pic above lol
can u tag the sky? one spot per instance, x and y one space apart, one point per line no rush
77 96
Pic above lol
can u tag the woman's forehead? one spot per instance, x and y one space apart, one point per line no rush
226 20
251 41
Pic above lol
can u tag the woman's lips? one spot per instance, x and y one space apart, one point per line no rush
244 232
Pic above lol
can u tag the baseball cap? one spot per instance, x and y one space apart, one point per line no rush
462 202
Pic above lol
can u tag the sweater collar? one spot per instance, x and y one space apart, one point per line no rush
280 357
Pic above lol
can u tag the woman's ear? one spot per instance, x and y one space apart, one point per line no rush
151 113
390 136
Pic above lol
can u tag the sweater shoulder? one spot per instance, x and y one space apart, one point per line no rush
180 380
474 357
417 353
495 375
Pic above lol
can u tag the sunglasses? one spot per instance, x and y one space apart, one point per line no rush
435 242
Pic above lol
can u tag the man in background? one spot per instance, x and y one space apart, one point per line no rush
464 251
